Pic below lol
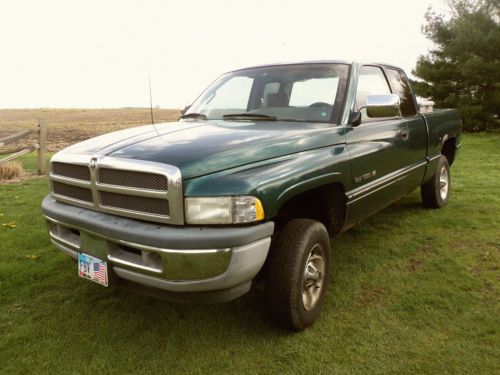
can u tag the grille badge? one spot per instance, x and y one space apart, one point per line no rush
93 163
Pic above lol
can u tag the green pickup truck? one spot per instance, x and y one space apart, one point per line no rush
254 180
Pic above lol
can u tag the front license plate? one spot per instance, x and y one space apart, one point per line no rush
93 269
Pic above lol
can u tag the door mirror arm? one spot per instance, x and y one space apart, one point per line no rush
355 118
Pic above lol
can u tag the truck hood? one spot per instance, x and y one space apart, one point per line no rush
203 147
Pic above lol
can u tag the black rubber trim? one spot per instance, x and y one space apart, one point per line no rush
208 297
152 234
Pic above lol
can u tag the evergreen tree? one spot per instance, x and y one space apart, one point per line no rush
463 70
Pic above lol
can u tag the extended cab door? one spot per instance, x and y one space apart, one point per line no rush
379 151
415 145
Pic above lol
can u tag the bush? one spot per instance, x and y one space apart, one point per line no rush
11 170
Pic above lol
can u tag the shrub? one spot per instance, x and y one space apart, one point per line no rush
11 170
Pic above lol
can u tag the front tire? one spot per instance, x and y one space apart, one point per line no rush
435 193
298 273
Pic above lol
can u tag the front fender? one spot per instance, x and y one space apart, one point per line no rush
275 181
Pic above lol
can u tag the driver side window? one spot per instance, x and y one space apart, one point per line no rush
371 81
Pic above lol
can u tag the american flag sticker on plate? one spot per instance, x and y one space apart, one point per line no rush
93 269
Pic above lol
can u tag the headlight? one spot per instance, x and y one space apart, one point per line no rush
223 210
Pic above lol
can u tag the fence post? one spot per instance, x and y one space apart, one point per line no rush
42 143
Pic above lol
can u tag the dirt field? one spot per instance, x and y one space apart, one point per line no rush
68 126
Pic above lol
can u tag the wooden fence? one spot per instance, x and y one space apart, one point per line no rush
41 146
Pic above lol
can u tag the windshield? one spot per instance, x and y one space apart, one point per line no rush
302 92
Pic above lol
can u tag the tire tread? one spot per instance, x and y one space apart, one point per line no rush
285 267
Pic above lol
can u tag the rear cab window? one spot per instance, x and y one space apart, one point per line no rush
401 87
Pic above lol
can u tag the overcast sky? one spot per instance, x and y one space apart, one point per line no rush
99 53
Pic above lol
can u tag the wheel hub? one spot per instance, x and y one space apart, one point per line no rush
443 183
314 274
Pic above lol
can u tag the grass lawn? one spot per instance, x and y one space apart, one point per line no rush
414 291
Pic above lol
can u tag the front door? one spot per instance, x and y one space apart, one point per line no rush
378 152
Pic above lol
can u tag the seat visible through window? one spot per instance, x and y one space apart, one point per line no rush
279 99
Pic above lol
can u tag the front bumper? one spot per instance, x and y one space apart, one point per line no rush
192 263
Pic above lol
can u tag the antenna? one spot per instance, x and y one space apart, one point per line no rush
151 100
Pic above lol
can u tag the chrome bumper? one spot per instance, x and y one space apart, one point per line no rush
188 269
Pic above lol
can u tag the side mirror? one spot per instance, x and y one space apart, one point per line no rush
386 105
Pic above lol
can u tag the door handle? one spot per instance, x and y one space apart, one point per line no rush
404 133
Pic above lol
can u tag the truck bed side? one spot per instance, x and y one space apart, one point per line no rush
444 136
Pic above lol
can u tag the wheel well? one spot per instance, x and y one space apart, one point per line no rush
326 204
449 149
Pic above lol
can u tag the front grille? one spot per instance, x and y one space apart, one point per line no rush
134 203
137 189
73 192
141 180
80 172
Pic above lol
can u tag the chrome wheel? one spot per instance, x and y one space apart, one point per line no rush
443 183
314 275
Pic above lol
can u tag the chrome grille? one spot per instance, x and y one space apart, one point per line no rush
134 188
133 179
73 192
80 172
134 203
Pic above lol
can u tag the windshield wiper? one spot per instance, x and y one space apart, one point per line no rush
194 115
255 116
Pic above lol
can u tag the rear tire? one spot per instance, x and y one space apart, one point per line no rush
435 193
298 273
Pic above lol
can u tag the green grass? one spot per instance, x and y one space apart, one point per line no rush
414 291
30 161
